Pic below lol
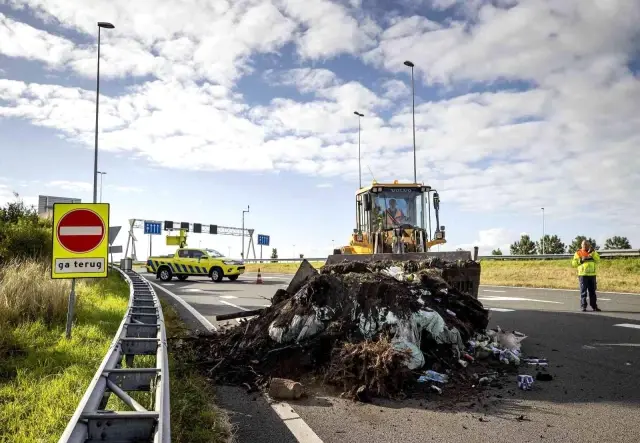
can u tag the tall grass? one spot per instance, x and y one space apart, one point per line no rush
616 275
28 293
43 375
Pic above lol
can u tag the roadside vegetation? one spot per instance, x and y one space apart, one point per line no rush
615 275
194 416
42 374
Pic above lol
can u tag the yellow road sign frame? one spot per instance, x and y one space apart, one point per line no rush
66 264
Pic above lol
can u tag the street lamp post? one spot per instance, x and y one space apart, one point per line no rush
243 212
359 164
413 105
105 25
542 230
101 179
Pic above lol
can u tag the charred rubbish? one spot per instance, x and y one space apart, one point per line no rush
370 329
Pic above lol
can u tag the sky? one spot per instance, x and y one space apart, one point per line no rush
207 107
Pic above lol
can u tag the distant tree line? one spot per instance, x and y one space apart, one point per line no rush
551 244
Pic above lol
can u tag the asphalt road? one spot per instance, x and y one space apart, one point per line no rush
594 358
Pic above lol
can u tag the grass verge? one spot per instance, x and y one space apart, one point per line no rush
43 376
194 416
279 268
615 275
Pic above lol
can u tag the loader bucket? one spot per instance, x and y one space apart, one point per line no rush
465 278
302 274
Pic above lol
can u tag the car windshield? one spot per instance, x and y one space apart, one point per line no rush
394 207
213 253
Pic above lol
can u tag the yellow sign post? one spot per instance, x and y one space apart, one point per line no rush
80 240
80 245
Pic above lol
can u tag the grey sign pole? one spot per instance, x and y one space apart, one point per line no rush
72 301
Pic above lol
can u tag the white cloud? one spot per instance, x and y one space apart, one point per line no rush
305 79
490 239
568 142
324 185
73 186
395 89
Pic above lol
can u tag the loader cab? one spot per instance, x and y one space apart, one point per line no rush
387 206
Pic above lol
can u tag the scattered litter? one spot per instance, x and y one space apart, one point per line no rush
433 376
525 382
371 329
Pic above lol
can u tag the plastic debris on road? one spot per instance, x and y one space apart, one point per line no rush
371 329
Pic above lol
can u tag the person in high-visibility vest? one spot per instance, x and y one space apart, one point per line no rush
395 217
586 260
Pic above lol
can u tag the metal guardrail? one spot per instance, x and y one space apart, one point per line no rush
610 253
142 332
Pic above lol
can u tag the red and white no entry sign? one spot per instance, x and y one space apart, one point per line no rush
80 231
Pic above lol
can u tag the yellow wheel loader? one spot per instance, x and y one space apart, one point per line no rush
390 225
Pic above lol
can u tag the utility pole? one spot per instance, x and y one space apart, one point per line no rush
95 156
359 157
413 105
101 179
243 212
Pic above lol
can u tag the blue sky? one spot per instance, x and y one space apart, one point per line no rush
207 109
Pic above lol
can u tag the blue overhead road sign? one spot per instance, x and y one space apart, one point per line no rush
263 240
152 227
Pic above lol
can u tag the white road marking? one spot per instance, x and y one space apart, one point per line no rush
206 323
298 427
498 298
627 345
235 306
562 290
80 230
300 430
193 290
603 299
491 290
168 284
228 296
588 347
628 325
501 309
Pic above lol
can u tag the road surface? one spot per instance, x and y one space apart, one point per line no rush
594 358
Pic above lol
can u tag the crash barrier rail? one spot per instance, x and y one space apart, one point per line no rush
609 253
141 333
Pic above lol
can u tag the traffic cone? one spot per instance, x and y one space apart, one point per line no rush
259 280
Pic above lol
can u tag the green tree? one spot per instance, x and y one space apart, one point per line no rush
22 233
552 245
617 242
525 246
577 244
496 252
274 254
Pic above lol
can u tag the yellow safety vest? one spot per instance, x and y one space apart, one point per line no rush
588 267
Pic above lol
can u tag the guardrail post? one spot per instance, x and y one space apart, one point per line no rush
141 332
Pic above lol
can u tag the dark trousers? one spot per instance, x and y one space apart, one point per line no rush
588 286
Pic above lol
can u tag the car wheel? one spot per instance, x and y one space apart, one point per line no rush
182 277
216 274
165 274
233 277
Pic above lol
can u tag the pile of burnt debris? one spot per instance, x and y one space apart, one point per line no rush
371 329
